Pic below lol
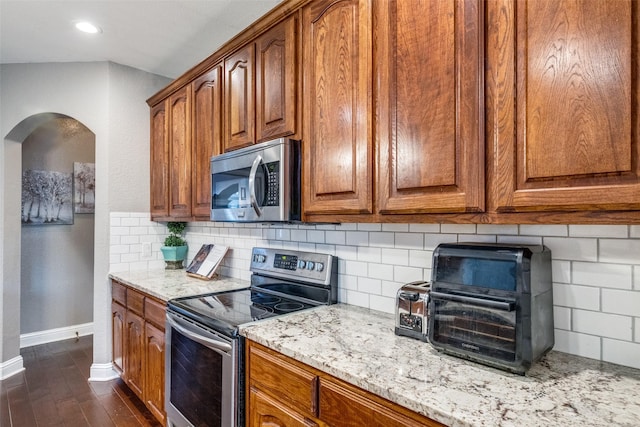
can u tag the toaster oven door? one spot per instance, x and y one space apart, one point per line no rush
481 327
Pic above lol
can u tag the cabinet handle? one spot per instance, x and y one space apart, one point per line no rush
252 185
314 396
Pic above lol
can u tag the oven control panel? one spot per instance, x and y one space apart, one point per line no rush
293 264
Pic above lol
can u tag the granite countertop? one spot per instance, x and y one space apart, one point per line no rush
359 346
169 284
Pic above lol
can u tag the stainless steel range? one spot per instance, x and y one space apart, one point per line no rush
204 352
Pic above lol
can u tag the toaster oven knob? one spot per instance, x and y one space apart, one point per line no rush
319 266
310 265
302 264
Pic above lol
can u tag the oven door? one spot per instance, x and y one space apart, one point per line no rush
201 375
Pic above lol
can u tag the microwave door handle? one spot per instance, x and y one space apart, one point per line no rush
252 185
207 342
487 303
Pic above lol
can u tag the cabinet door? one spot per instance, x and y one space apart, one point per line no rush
239 101
159 161
565 128
276 81
118 314
180 149
154 371
337 143
429 127
267 412
134 373
207 137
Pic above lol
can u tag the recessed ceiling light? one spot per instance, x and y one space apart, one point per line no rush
87 27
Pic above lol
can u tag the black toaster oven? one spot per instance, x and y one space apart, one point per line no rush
492 303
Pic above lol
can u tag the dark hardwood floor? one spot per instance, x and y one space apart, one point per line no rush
54 391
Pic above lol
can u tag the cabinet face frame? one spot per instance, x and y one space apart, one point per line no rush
429 106
519 174
337 131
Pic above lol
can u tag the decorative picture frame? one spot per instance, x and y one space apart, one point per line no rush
47 198
84 186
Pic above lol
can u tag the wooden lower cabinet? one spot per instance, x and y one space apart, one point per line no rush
283 392
138 345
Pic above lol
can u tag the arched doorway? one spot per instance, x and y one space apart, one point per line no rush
42 296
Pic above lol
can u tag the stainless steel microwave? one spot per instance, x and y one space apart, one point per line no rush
260 183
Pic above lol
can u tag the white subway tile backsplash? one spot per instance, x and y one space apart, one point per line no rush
381 271
601 274
623 251
578 344
382 303
395 256
602 324
357 238
424 228
381 239
497 229
369 254
422 259
596 268
544 230
621 231
561 271
621 302
335 237
395 227
575 296
407 274
575 249
369 285
409 240
621 352
562 318
458 229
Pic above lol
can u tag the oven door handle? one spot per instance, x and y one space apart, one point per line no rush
252 185
208 342
486 303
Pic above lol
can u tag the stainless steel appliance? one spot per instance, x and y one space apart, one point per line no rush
260 183
492 303
205 354
412 310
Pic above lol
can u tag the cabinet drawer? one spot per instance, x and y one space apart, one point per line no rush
119 293
273 374
344 405
135 301
154 312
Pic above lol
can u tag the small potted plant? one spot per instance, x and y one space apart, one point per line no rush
175 247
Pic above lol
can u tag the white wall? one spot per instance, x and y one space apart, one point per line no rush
110 100
596 269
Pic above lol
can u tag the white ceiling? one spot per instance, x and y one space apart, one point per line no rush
164 37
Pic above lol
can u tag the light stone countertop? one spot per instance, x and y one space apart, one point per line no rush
359 346
169 284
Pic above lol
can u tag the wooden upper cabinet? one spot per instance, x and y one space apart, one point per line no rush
429 127
207 137
159 190
565 128
276 81
239 111
337 135
180 149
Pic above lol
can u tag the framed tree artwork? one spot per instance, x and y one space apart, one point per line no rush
84 184
46 197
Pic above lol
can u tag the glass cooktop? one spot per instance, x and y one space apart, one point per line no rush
225 311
